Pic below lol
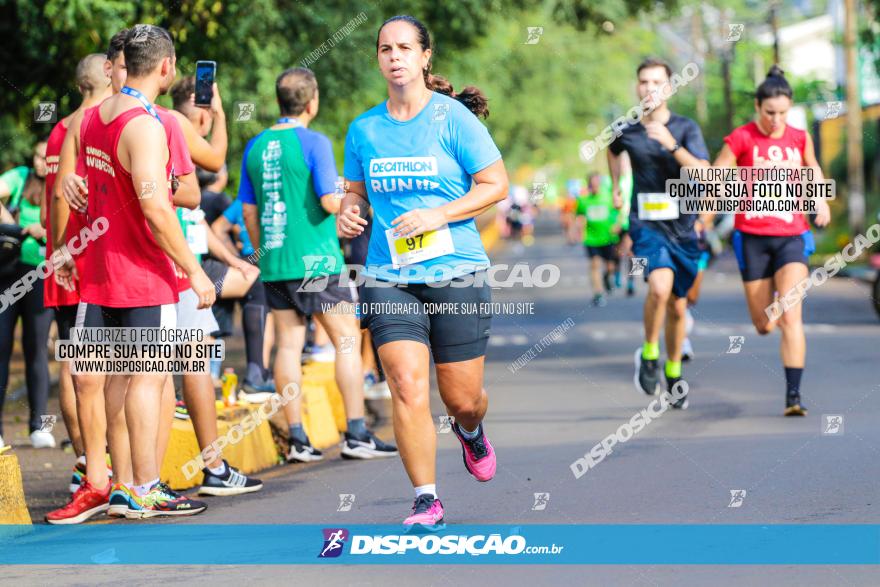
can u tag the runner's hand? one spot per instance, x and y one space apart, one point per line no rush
35 230
65 275
246 269
216 102
419 221
349 223
75 192
823 213
204 288
618 198
660 133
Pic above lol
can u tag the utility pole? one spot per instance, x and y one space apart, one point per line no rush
854 152
700 48
774 26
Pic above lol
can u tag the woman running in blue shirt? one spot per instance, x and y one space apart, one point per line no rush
427 166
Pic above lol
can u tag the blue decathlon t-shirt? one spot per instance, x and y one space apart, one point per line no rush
424 162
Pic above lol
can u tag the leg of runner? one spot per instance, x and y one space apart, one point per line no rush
676 315
143 399
647 357
118 443
793 346
359 443
406 365
219 478
67 399
166 419
461 388
93 424
596 278
290 333
759 296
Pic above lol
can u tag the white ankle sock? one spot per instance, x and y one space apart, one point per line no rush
142 490
427 489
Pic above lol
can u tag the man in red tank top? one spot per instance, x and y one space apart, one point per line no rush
130 280
94 85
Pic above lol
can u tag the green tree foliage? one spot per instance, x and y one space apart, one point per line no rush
541 94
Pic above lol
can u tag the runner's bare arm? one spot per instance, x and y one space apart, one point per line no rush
221 229
143 144
5 216
354 208
208 155
491 186
614 170
252 223
330 203
823 211
219 250
188 194
59 209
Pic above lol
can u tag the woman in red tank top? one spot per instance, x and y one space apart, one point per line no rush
773 248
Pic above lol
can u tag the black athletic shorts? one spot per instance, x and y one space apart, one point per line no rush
398 313
92 316
216 272
309 296
65 318
607 252
760 257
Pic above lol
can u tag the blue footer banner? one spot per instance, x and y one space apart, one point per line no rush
175 543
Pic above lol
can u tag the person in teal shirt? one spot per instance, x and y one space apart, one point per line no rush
22 191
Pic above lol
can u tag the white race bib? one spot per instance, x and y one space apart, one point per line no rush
414 249
196 232
597 213
657 206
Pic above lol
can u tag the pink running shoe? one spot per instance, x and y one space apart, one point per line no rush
427 513
477 454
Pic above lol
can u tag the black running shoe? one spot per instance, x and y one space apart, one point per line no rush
232 483
793 406
599 301
303 453
368 447
682 402
647 375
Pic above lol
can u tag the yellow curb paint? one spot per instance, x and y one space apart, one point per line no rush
13 507
254 452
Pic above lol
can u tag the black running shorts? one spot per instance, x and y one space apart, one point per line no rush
399 313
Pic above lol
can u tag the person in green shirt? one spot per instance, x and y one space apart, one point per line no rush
288 190
601 223
22 191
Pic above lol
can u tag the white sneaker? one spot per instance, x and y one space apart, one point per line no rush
324 354
1 442
687 350
41 439
378 390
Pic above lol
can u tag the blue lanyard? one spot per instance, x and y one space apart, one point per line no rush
288 120
143 100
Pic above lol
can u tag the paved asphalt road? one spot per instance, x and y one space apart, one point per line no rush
679 469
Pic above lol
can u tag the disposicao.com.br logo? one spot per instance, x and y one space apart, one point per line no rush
429 544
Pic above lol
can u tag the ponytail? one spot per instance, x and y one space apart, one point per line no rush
472 98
